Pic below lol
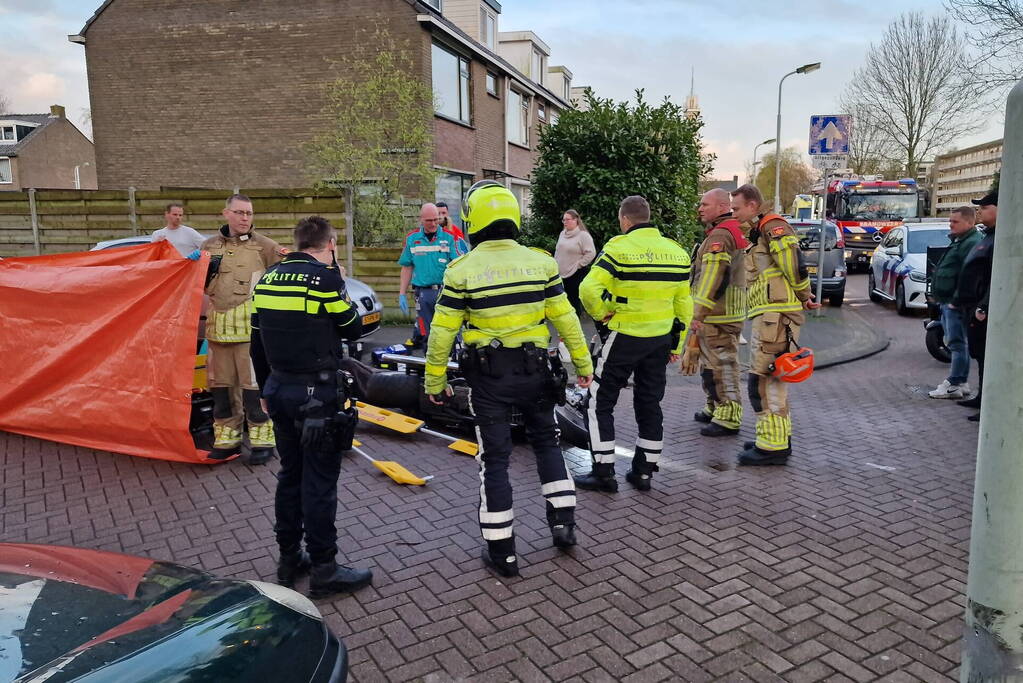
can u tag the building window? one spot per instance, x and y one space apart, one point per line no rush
541 111
492 83
451 84
451 188
537 67
436 4
488 28
524 196
517 118
554 117
6 177
7 133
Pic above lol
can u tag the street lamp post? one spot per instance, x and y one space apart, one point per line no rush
753 178
78 179
805 69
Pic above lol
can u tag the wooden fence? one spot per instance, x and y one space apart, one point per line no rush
57 221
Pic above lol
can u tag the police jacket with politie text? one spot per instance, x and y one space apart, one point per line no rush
504 292
777 275
301 312
719 275
641 279
975 278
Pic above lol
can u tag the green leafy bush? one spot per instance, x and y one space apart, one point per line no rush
591 160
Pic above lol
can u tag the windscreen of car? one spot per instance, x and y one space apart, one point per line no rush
919 240
881 207
809 235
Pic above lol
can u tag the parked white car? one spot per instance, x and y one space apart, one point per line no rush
898 266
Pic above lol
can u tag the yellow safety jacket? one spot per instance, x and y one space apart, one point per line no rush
719 274
505 291
641 279
775 269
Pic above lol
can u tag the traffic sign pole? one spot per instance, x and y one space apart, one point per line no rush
829 148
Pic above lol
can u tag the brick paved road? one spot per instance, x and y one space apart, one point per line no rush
847 565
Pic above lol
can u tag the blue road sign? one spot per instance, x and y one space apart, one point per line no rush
829 134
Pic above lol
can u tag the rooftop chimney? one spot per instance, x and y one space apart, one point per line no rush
57 111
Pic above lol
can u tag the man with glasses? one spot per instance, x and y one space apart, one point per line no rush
239 256
426 255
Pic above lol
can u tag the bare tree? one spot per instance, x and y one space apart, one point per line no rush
796 177
871 147
5 103
995 31
912 80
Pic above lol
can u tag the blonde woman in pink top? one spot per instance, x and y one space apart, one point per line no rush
574 253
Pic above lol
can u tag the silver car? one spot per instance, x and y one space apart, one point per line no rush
362 295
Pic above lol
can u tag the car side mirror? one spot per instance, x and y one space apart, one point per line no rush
893 251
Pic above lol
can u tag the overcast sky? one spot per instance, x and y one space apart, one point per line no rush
738 48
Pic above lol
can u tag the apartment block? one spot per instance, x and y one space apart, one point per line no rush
962 175
227 94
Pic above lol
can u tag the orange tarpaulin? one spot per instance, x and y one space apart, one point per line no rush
97 349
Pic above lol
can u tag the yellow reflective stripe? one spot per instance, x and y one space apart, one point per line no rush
281 303
339 306
281 288
323 295
801 285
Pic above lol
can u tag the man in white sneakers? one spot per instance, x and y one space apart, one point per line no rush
185 239
945 289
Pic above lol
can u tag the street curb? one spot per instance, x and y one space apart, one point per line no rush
864 341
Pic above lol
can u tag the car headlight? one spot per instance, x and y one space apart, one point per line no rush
288 598
848 253
918 276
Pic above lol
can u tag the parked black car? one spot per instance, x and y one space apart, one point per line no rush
833 272
70 614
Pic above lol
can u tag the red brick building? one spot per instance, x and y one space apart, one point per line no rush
44 151
195 93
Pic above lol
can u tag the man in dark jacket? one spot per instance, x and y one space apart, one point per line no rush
975 289
944 284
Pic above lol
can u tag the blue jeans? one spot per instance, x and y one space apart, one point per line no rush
955 340
426 302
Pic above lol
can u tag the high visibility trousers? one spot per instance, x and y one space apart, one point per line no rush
491 401
719 370
230 369
426 303
622 356
767 394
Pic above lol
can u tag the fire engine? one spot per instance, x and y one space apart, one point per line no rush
867 207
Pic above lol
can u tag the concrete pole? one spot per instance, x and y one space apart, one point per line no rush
132 216
993 643
350 230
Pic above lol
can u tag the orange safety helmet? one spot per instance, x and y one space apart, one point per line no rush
795 366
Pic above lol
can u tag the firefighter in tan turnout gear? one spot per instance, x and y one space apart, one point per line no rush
779 291
719 298
241 255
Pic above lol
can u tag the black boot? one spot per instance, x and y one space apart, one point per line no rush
639 479
499 557
330 577
291 566
562 523
602 478
260 456
757 457
701 416
970 402
714 429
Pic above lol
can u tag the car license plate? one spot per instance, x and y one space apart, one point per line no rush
812 270
371 318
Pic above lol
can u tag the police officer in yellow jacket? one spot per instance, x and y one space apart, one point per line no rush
779 291
719 297
639 287
504 294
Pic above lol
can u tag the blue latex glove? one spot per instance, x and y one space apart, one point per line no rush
194 256
403 303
